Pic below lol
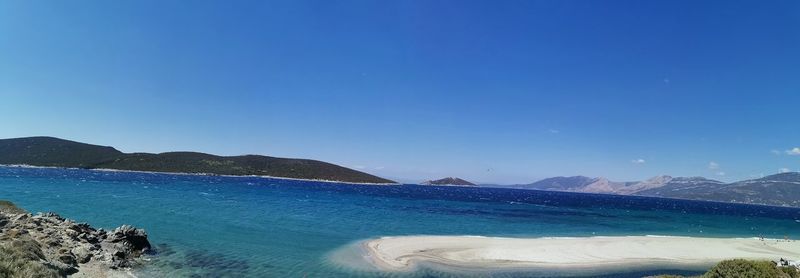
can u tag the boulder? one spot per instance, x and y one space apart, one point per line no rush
132 239
82 254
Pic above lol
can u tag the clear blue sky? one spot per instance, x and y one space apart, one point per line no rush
491 91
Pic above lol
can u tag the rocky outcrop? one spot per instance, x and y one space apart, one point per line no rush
66 246
125 244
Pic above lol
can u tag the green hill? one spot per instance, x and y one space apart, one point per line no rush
49 151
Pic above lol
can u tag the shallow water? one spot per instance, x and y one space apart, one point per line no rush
208 226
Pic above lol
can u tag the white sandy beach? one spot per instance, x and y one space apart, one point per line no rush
474 252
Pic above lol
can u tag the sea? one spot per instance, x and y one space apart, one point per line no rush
214 226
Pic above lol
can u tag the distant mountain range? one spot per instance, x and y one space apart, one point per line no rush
776 190
449 181
55 152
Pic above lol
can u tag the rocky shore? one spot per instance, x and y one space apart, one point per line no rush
48 245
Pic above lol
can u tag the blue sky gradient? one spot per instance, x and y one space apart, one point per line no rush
491 91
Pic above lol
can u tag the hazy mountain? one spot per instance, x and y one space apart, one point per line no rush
49 151
576 184
557 184
605 186
777 190
449 181
683 187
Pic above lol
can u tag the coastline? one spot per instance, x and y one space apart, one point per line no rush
191 174
48 245
408 253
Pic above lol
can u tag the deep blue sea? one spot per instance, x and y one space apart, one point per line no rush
211 226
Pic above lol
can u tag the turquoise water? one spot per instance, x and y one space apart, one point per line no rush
207 226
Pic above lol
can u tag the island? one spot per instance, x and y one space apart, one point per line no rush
449 181
48 245
55 152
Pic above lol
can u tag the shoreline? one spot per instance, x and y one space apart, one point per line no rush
191 174
48 245
378 184
567 254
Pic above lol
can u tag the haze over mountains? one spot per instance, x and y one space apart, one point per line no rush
776 190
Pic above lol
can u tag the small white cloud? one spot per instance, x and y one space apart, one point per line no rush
638 161
784 170
554 131
360 167
720 173
794 151
775 152
713 165
380 168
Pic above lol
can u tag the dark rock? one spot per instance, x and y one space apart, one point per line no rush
215 262
134 240
67 259
163 250
62 268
